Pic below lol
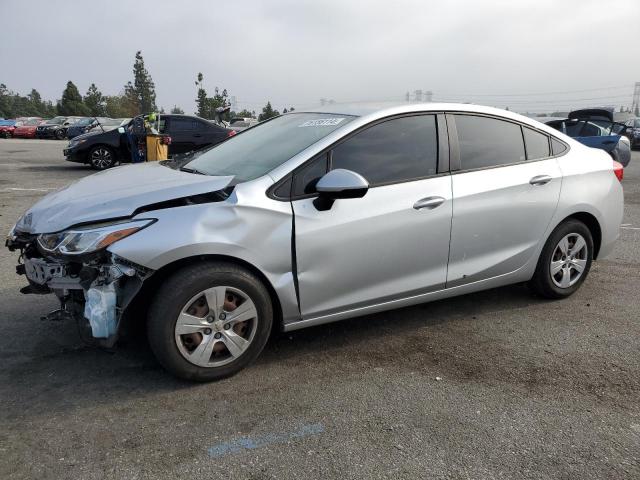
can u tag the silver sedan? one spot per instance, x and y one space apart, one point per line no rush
319 216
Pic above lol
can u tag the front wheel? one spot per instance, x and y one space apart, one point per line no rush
101 157
565 260
59 134
209 321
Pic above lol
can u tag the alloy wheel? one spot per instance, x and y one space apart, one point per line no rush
569 260
216 326
101 158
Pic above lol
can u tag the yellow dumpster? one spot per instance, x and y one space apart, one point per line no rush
156 148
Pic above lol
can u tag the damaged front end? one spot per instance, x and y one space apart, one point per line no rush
93 285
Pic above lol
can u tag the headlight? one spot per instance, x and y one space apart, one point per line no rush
91 238
75 143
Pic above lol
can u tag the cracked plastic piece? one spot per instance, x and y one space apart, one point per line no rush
100 310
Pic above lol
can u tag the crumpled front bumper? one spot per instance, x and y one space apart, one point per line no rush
93 289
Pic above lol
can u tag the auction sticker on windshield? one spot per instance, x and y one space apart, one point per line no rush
322 122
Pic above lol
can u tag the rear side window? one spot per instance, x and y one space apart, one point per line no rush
401 149
557 147
488 142
184 125
536 143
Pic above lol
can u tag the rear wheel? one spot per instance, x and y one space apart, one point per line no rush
209 321
565 260
102 157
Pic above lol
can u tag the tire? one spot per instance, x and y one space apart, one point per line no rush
568 278
181 345
101 157
59 134
6 134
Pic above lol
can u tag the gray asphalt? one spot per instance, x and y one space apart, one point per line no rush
497 384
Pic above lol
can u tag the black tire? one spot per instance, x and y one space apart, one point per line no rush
101 157
59 134
542 282
6 134
174 294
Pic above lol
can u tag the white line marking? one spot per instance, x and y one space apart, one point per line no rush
630 228
29 189
625 225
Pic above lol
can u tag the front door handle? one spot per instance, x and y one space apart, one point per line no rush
540 180
429 203
197 135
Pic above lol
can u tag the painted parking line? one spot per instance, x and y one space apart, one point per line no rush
251 443
13 189
630 228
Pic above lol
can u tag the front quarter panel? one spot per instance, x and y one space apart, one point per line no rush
248 226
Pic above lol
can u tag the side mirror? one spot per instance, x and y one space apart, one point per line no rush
339 183
120 129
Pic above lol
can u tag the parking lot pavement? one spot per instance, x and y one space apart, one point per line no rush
497 384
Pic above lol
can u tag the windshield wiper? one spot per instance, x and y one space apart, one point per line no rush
192 170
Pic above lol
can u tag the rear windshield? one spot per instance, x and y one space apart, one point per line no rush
262 148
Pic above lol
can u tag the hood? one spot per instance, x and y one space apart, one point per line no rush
87 134
114 193
603 113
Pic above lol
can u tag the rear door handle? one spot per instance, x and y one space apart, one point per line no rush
429 203
540 180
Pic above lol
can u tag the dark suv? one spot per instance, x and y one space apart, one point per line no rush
105 149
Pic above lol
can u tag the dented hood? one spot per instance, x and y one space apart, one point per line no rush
114 193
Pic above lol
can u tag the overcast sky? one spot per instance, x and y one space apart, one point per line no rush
294 52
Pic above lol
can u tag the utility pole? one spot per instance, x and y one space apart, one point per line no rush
635 106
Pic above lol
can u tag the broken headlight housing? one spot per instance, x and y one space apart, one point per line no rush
91 238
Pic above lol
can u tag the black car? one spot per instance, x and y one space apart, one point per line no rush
105 149
633 132
56 127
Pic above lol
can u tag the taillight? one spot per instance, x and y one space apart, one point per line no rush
231 133
618 170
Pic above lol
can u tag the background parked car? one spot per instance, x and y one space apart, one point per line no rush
108 124
595 128
7 127
28 128
83 125
633 131
106 149
56 127
239 123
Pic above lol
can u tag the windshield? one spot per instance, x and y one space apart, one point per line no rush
84 121
56 121
262 148
32 122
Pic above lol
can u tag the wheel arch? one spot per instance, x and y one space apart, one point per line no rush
152 284
592 224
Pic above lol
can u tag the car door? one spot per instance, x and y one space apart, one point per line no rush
182 131
210 134
506 187
389 244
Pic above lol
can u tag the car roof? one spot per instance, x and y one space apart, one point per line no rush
384 109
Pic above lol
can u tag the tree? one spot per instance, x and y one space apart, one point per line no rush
206 106
246 114
176 110
142 92
268 112
71 102
120 106
94 101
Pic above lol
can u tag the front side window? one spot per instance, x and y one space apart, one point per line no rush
488 142
267 146
397 150
537 144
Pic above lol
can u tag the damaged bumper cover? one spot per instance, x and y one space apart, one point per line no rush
94 289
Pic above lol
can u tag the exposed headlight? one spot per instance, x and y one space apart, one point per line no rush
91 238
